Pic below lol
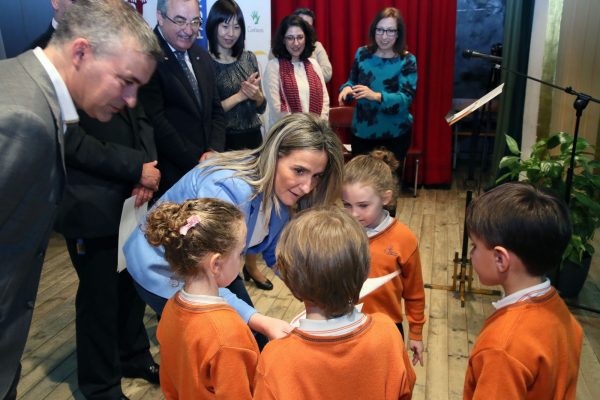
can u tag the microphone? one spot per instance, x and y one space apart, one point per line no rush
487 57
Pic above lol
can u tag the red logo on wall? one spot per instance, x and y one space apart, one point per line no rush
139 5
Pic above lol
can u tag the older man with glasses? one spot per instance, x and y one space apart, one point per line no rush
181 99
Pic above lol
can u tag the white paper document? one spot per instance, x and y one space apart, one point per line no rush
374 283
452 119
368 287
131 217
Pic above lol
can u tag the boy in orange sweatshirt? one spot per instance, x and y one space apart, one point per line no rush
530 347
337 352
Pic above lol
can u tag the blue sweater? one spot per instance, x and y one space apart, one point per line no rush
396 79
147 264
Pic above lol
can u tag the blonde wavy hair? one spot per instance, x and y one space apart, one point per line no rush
257 167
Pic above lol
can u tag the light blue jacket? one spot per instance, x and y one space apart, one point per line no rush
147 264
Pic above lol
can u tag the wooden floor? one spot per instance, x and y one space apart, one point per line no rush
436 217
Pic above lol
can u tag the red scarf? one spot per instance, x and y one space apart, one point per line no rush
288 88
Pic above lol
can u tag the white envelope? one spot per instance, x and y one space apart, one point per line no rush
131 217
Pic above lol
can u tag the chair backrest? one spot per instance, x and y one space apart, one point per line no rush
340 119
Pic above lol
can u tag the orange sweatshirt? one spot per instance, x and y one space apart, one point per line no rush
368 363
397 248
206 351
527 350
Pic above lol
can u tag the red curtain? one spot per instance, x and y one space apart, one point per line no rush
342 26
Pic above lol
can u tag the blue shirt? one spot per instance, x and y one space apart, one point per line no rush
396 79
147 264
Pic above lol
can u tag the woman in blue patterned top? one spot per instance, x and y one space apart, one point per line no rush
238 80
383 80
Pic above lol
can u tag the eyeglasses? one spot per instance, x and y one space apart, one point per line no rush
389 32
292 39
183 23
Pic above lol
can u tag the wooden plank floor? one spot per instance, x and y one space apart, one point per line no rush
436 217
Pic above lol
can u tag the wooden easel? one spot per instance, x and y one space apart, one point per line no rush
462 281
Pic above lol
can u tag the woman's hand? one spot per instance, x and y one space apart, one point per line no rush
272 328
253 79
417 348
342 96
251 91
251 88
365 92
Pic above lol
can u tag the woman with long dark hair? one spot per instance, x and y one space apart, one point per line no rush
238 79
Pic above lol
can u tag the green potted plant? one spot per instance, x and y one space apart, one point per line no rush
547 168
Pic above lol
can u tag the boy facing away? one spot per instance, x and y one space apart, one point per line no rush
337 352
530 347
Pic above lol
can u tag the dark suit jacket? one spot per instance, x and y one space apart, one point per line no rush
32 177
183 131
104 162
43 39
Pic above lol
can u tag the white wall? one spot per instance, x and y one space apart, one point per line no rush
536 57
565 50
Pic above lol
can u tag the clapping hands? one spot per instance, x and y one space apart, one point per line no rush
250 88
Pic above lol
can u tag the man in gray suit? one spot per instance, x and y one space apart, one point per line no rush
100 54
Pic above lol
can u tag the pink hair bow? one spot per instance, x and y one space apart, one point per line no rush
191 222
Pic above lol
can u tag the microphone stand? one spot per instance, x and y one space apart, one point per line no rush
579 105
